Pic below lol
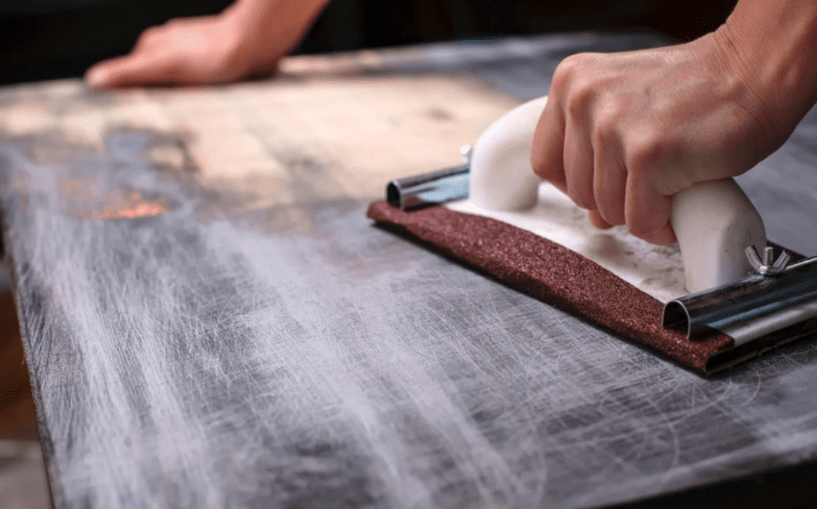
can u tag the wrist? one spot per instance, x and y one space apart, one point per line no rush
269 29
262 16
771 46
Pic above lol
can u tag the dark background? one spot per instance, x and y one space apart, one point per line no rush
48 39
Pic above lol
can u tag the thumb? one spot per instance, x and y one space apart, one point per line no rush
131 70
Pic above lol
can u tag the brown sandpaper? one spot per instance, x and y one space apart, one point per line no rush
551 273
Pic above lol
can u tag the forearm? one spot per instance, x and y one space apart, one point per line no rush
293 15
774 42
260 32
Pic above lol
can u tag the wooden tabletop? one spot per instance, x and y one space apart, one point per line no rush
210 320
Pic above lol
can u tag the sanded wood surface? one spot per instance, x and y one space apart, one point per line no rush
211 321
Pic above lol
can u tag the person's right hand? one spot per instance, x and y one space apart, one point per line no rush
249 36
623 132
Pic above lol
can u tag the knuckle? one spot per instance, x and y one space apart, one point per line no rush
568 70
175 23
575 83
645 152
573 63
581 96
563 75
605 128
147 35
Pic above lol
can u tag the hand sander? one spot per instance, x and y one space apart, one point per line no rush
495 215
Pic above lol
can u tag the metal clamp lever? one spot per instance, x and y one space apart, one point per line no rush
431 188
768 266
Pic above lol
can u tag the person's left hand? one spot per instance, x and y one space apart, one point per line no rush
250 36
182 51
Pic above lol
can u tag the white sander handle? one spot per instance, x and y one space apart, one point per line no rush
713 221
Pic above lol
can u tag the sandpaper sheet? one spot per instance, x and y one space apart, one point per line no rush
556 275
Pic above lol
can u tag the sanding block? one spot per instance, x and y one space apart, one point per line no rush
708 302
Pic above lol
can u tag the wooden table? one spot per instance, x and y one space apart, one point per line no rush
210 320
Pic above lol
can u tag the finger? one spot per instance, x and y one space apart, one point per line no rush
96 76
598 221
647 212
148 39
132 70
578 164
609 181
547 155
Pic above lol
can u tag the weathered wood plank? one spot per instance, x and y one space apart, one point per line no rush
211 321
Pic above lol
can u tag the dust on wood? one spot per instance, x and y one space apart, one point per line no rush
208 356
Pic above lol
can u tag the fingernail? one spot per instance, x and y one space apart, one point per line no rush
97 78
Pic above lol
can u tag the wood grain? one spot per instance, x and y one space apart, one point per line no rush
211 321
